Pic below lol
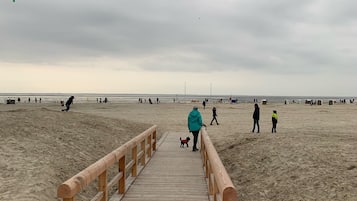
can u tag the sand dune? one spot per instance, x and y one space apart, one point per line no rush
313 156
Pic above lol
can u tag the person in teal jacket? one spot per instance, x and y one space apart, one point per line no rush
194 123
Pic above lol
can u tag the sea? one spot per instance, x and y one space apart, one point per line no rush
162 98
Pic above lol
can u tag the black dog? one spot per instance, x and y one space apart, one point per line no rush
184 141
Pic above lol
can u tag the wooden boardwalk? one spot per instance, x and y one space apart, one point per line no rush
173 173
170 173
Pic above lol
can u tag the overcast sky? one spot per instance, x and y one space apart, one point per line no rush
241 47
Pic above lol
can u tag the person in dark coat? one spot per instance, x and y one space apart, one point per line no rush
204 104
68 103
256 115
214 115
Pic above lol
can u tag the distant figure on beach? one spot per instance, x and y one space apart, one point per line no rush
68 103
256 115
150 101
194 123
274 119
214 115
204 104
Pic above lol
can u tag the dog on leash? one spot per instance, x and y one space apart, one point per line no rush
184 141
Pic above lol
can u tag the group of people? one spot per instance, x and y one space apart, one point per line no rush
99 100
256 117
195 122
150 101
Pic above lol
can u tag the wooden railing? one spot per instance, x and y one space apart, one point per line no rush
220 186
147 142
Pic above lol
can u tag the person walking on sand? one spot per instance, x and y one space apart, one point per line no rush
214 116
256 115
68 103
194 123
274 119
204 104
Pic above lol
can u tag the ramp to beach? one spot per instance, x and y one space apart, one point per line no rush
156 171
174 173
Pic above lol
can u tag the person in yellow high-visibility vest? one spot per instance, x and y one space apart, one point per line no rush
274 119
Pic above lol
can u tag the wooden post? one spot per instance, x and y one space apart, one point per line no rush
121 182
207 166
150 147
143 149
69 199
203 152
134 154
215 188
202 144
155 140
210 179
102 185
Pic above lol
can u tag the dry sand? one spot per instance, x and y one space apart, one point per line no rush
313 155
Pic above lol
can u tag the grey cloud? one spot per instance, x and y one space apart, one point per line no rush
180 35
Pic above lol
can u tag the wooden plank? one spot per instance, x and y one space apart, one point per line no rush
102 185
98 197
174 173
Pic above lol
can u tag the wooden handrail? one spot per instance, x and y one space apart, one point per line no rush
219 182
220 185
146 140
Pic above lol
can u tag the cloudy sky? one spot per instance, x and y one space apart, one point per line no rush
225 47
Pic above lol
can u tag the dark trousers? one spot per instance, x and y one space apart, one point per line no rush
67 108
195 139
214 118
256 122
273 130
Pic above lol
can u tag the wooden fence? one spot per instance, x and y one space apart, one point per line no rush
220 186
99 170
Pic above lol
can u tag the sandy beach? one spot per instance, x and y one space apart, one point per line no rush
312 156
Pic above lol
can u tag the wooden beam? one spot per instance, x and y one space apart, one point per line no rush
222 180
121 183
134 155
150 146
97 197
69 199
115 180
143 149
102 185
